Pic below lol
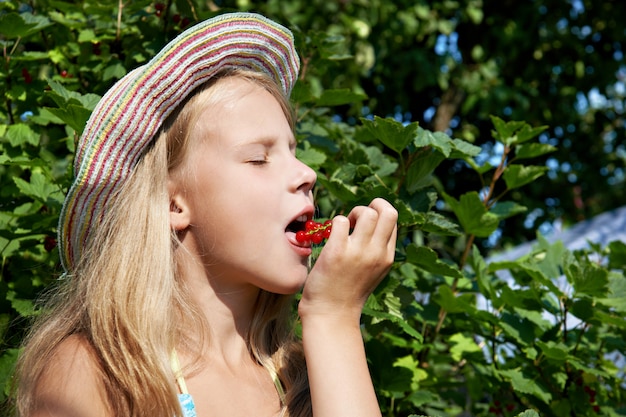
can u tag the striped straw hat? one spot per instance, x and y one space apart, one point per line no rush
129 115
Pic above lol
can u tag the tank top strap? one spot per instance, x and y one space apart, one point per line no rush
184 398
184 393
178 373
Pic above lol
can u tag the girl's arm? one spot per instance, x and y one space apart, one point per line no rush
349 268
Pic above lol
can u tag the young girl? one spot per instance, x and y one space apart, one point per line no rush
178 238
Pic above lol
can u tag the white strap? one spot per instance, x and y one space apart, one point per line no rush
178 374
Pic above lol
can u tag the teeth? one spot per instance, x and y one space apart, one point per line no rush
302 218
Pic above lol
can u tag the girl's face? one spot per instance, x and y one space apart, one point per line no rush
242 188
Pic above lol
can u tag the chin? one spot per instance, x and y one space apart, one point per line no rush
288 287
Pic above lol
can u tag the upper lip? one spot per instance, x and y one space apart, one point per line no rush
299 220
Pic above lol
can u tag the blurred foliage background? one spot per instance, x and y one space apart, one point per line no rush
483 121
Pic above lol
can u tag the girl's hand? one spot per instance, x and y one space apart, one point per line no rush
351 265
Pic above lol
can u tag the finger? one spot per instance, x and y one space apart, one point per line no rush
341 229
387 222
364 220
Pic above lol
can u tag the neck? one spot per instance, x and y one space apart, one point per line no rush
227 308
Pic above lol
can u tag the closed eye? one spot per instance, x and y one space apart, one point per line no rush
258 161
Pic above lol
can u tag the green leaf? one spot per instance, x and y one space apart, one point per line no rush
115 71
553 350
616 297
505 209
617 255
86 35
480 169
583 308
62 96
7 366
14 25
21 134
528 413
472 214
587 277
438 224
463 149
400 321
74 109
526 385
338 188
422 166
311 157
453 303
438 140
427 259
25 308
527 133
74 116
385 166
39 187
338 97
504 130
391 133
516 175
514 132
523 331
533 150
460 345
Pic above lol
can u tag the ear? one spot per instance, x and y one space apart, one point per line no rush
179 209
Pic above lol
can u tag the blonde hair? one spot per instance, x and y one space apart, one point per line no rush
132 256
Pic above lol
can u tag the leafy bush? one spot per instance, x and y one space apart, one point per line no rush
449 332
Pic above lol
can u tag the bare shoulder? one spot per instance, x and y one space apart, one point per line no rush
71 386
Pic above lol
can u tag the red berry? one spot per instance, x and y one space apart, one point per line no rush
49 243
302 237
596 408
158 13
310 225
159 7
184 22
176 18
317 238
63 73
26 75
510 407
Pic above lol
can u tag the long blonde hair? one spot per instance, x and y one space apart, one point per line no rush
127 301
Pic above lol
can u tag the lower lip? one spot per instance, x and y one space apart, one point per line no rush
304 251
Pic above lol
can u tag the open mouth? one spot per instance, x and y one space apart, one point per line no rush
297 225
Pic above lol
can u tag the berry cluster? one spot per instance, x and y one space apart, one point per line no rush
314 232
498 408
159 10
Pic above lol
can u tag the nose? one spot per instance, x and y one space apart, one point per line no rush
304 178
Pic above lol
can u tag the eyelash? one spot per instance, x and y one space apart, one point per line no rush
258 161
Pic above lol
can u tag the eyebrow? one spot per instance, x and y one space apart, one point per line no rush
266 141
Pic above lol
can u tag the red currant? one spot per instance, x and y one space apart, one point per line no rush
302 236
26 75
314 232
317 238
49 243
